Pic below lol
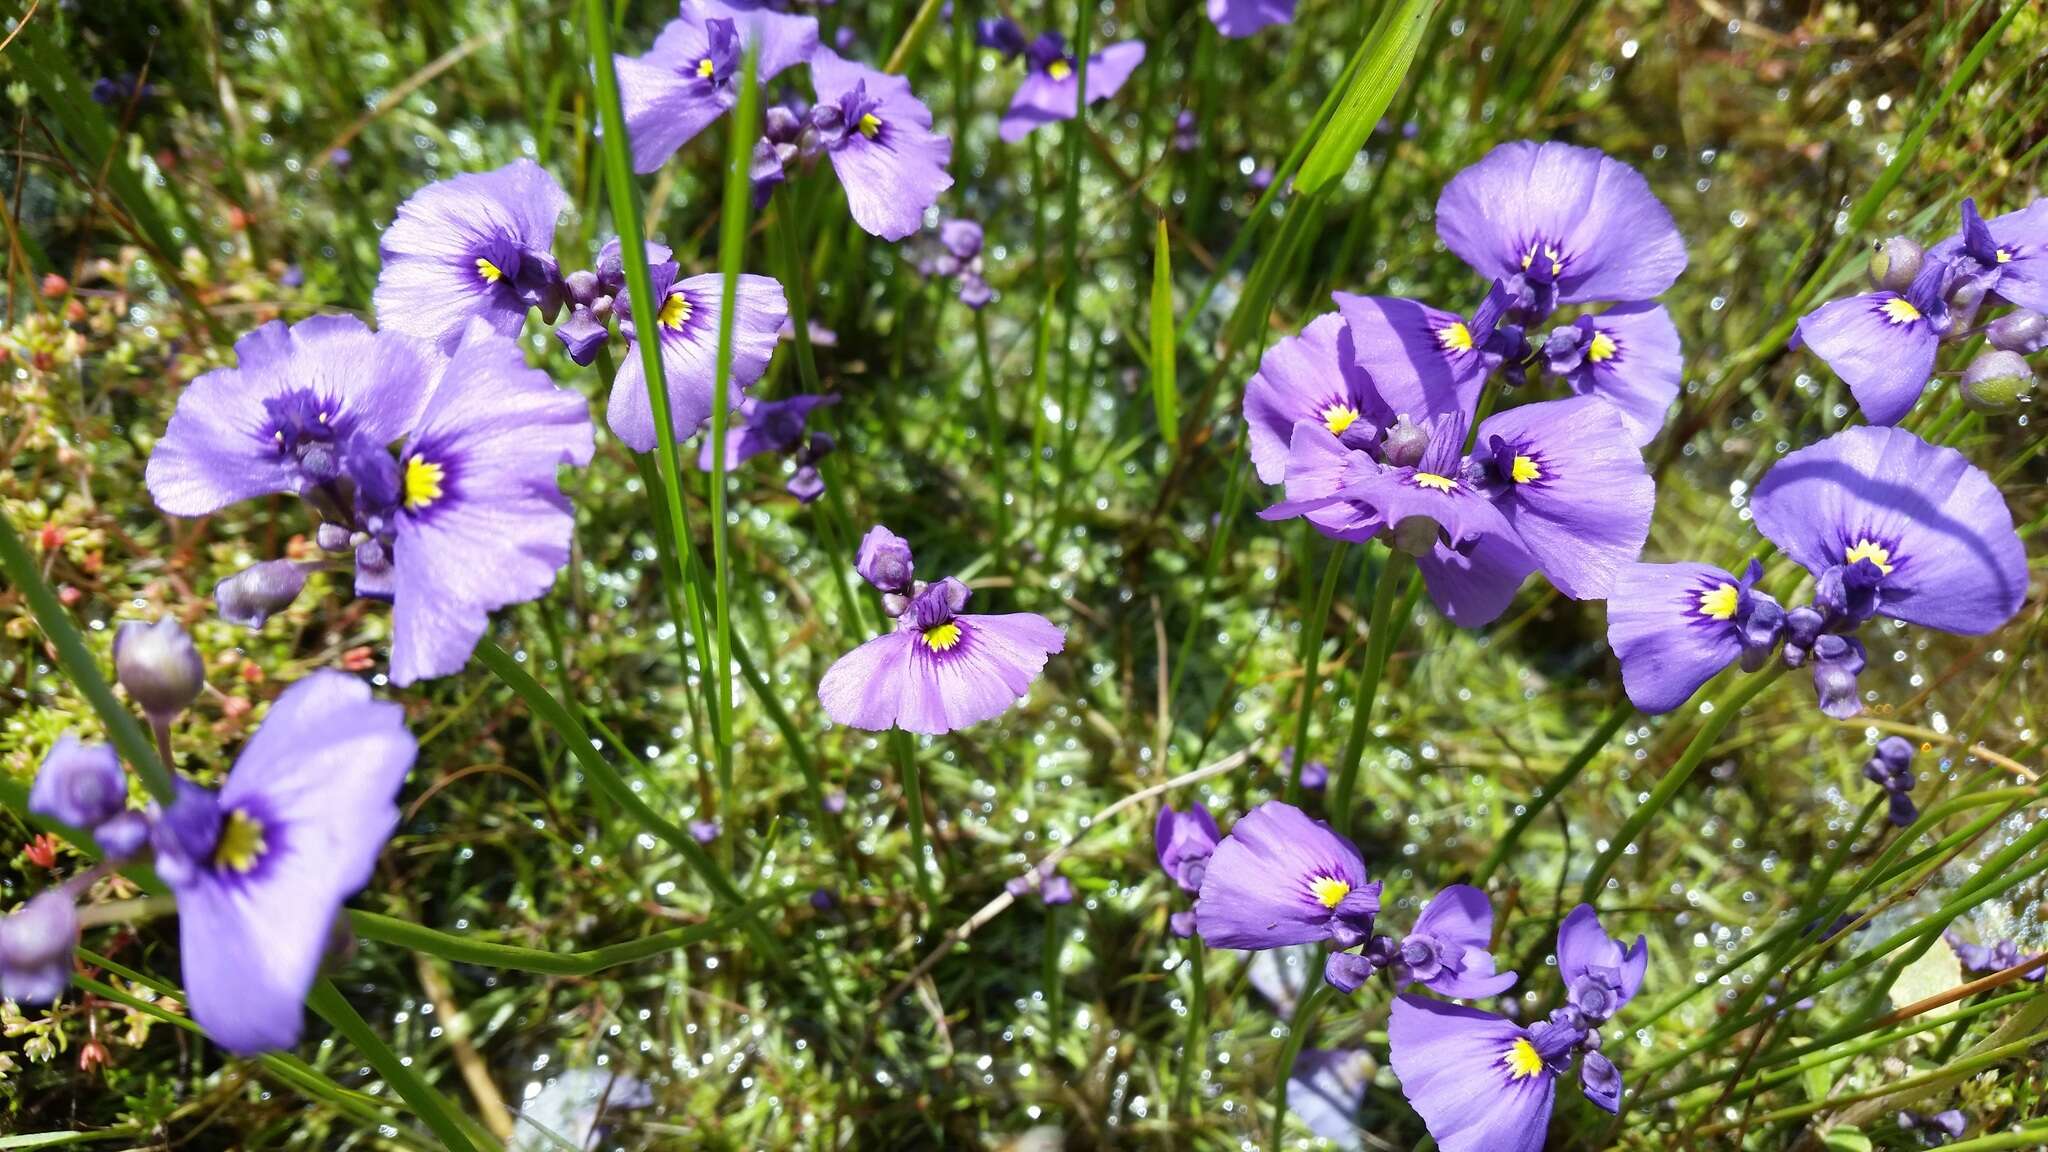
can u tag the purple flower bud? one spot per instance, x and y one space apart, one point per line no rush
1056 889
2020 330
1347 971
158 666
806 485
962 239
975 292
332 537
123 836
1601 1081
186 833
1182 923
703 831
1405 444
884 560
79 784
257 592
1894 263
1997 381
582 334
822 899
1837 660
1001 34
36 940
835 802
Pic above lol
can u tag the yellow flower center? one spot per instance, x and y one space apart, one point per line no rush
1432 480
241 843
1523 1060
1525 470
1555 258
489 271
2005 255
1059 70
423 482
1330 892
675 312
943 637
1456 338
706 69
1877 554
870 125
1720 602
1602 349
1338 417
1900 310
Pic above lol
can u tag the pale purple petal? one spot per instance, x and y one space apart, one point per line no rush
1260 889
1559 212
497 527
893 176
1942 527
1311 377
1420 359
1638 366
1325 1092
431 284
1581 505
689 357
1041 99
1452 1062
1667 633
1239 18
1472 588
1881 347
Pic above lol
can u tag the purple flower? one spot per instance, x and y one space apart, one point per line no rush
1882 343
761 427
1571 482
281 420
1281 878
704 831
1676 626
1448 949
939 670
477 245
1628 356
261 868
1991 957
1184 841
1482 1083
1891 768
2006 255
879 138
1422 361
885 561
1915 528
1562 225
79 784
1599 974
687 319
1937 1129
1312 378
1326 1089
467 517
1049 93
1001 34
689 78
1055 890
1237 18
479 522
36 941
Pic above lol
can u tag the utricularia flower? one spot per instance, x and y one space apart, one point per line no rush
686 331
1484 1083
1994 957
691 76
1890 767
940 669
260 868
957 256
1883 343
1050 91
1282 878
465 518
776 427
878 136
1885 523
478 245
1184 842
1238 18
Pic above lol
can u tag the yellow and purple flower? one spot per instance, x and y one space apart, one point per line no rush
1049 92
478 245
690 77
1280 878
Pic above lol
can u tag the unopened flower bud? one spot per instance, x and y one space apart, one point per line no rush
1416 535
1894 263
332 537
158 666
2021 330
35 948
251 596
884 560
79 784
1406 442
1997 381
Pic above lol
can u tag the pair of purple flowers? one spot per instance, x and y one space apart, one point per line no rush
941 669
1365 418
1883 343
876 133
1884 523
1480 1081
260 868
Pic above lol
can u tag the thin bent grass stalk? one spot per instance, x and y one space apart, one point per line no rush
1379 642
1311 651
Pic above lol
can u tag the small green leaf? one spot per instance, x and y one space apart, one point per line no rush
1165 396
1846 1139
1816 1081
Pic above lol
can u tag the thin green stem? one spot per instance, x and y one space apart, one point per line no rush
1378 644
1725 711
1306 1011
1191 1056
438 1115
912 781
1311 654
81 666
1617 715
464 950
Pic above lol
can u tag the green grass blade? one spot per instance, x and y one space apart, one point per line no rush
1165 394
1394 40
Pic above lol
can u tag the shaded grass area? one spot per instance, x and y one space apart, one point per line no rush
1023 449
